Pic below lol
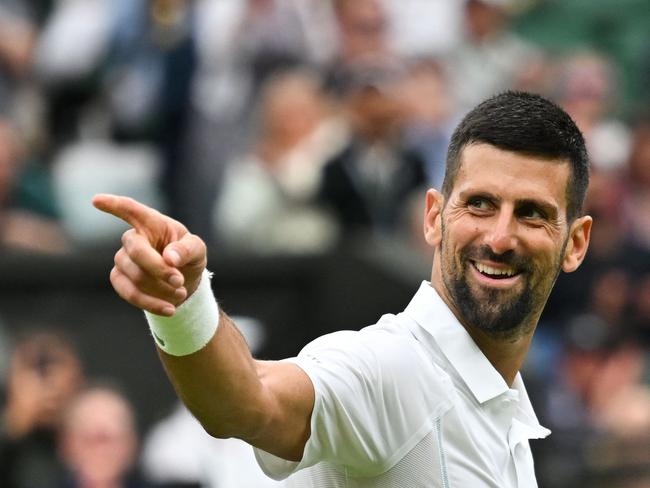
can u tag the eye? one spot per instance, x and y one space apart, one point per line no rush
531 212
479 203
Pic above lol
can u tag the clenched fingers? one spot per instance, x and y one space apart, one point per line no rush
146 282
126 289
140 251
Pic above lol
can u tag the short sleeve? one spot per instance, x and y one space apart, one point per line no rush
376 397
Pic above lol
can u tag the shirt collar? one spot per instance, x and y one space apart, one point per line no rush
530 427
429 310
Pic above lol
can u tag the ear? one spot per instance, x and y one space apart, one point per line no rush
577 244
432 217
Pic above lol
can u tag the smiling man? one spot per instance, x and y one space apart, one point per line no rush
430 397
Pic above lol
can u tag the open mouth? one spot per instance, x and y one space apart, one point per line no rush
502 273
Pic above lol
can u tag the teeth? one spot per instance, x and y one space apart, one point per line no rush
494 271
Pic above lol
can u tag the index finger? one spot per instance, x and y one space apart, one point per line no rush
129 210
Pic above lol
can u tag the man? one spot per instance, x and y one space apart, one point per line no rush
429 397
45 373
98 441
367 182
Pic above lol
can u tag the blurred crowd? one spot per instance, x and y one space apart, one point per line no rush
292 126
61 429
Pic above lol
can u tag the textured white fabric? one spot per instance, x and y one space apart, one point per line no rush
193 324
411 401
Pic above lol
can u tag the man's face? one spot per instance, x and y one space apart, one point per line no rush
503 236
98 440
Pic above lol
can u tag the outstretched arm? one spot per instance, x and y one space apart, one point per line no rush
265 403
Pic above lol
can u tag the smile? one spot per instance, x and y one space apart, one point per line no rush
494 272
493 276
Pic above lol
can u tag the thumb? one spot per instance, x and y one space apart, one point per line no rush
188 254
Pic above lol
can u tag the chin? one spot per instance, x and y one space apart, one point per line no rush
501 319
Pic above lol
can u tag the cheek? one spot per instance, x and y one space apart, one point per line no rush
461 235
547 257
455 240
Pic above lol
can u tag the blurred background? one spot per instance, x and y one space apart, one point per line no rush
297 138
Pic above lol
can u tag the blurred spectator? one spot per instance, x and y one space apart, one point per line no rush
70 57
424 28
585 85
44 374
599 411
362 29
273 35
20 228
597 400
429 107
368 183
17 39
362 37
267 202
152 65
490 58
612 246
606 203
239 45
637 201
120 71
98 441
611 297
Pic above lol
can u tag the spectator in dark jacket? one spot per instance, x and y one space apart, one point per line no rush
368 183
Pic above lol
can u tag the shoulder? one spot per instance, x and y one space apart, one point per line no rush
378 342
376 396
384 354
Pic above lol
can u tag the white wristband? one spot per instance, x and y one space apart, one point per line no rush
192 326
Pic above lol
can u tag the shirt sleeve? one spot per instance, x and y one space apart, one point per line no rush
375 400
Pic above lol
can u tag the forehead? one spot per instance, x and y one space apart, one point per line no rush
99 408
512 176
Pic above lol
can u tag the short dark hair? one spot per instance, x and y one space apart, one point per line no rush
528 124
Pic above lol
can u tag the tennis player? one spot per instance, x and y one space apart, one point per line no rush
430 397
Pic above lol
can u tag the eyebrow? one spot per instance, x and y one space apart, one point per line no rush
550 209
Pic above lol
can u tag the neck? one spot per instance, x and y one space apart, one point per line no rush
506 354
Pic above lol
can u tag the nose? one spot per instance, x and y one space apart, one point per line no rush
502 237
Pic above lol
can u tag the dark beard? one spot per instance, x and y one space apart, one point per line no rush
491 314
499 313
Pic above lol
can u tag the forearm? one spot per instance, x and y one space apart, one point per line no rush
265 403
219 383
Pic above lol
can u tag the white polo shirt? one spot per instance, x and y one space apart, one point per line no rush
411 402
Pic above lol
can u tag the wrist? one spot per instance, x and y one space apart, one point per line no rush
192 326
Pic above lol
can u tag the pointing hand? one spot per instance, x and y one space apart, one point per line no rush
160 262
